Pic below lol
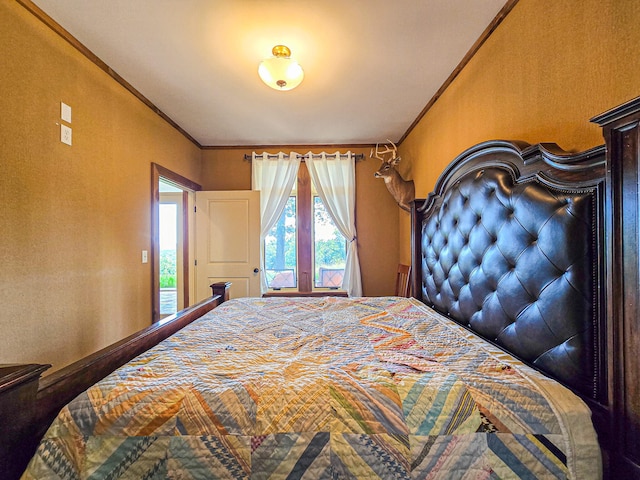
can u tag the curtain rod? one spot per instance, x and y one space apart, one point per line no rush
356 156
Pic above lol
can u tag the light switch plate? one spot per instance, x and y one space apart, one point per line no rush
65 112
65 134
145 256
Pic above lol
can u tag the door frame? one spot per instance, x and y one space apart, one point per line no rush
159 172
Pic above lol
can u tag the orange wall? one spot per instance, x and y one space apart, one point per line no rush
548 68
376 212
73 220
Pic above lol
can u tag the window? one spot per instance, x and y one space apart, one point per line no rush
301 248
280 252
304 250
329 248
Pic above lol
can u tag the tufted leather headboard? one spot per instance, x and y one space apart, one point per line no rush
509 245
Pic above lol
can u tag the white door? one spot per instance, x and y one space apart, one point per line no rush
228 242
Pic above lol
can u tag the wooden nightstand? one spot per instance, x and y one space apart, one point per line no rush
18 390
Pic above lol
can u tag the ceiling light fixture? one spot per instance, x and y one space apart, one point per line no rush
281 72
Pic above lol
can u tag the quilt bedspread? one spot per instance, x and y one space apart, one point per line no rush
321 388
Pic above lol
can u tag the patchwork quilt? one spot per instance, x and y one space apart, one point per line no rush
322 388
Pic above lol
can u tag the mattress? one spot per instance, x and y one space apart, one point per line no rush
380 387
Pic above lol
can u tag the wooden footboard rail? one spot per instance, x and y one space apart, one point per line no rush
28 406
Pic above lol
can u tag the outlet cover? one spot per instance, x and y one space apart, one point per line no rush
65 112
65 134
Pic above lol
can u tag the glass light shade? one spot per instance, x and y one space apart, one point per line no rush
281 72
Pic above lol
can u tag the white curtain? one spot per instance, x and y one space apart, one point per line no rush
334 177
274 178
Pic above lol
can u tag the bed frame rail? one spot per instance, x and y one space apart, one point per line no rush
28 405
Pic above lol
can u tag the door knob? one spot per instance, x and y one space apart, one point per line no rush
256 270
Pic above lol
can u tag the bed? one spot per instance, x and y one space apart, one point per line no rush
324 388
498 368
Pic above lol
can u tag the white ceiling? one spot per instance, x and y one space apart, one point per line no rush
371 66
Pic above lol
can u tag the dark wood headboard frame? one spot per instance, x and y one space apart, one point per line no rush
621 126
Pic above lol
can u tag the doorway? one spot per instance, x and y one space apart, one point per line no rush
171 245
173 196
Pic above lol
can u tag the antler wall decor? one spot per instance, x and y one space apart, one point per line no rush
403 191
